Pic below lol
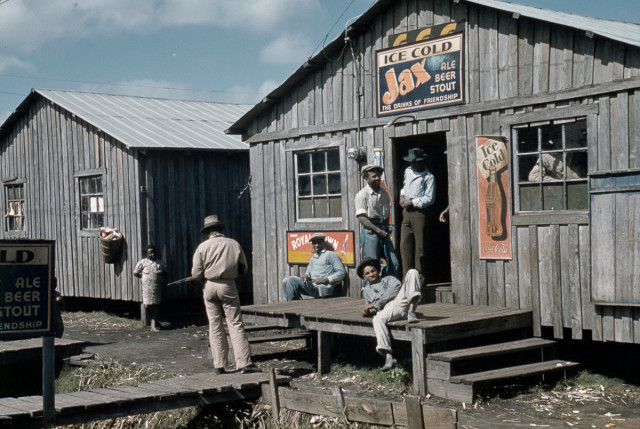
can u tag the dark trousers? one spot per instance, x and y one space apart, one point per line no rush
413 240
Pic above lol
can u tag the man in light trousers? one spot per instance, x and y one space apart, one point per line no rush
217 262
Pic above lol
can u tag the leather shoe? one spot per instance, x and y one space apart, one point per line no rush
250 368
218 371
389 363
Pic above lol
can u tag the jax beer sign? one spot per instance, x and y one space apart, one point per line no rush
420 75
26 287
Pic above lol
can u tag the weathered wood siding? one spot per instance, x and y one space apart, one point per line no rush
180 189
48 148
513 66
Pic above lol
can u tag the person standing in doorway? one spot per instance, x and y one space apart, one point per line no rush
373 208
152 273
217 262
416 197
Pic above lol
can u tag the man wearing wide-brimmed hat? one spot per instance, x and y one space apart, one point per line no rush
217 262
388 300
416 198
373 208
324 272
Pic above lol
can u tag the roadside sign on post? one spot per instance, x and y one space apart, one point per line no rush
26 288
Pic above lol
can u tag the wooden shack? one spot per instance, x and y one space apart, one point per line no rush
479 85
72 162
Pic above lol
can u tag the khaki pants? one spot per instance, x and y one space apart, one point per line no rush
221 300
396 310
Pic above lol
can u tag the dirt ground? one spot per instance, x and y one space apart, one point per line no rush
181 348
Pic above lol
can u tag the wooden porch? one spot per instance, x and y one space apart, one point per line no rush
440 323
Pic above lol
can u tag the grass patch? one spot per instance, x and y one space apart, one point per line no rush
100 320
609 385
74 379
397 378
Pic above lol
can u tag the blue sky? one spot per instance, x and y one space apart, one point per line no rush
213 50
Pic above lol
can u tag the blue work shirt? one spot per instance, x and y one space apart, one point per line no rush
419 187
326 264
382 292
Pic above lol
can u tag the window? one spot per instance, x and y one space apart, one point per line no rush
91 202
551 165
14 201
318 187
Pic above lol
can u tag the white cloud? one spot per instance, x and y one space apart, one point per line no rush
51 20
287 49
9 62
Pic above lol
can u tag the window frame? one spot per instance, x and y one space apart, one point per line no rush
510 124
295 148
79 176
15 233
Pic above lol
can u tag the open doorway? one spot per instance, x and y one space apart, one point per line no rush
438 249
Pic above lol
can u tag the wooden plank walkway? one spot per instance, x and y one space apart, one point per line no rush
22 351
438 322
160 395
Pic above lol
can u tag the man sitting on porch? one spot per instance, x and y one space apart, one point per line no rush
387 300
324 272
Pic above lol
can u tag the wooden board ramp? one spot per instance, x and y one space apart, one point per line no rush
159 395
30 350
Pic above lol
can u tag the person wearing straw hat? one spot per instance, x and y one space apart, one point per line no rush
388 300
416 197
324 272
373 208
217 262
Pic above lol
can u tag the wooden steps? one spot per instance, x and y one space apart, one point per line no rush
305 335
459 374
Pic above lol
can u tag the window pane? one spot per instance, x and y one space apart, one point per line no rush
577 165
577 196
335 206
318 161
320 185
575 134
530 198
85 220
99 185
527 140
334 183
320 207
304 208
552 197
551 137
304 165
85 204
333 160
304 186
528 166
11 193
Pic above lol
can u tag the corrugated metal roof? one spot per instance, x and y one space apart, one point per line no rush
615 30
624 32
155 123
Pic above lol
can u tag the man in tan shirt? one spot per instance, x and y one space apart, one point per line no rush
217 262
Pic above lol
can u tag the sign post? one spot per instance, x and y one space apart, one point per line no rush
27 305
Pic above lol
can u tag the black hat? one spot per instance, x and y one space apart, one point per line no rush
365 263
415 154
211 222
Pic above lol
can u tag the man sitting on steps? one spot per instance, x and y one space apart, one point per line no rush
387 300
